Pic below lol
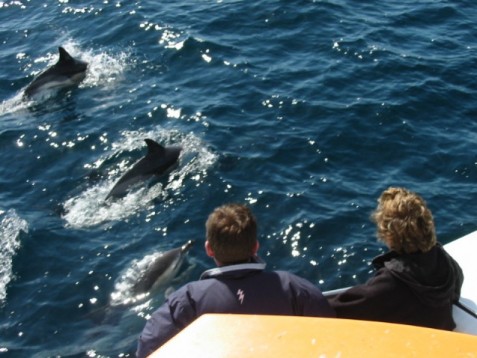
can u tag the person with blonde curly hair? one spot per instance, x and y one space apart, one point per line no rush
417 281
404 222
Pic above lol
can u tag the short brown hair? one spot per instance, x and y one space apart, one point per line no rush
404 223
231 230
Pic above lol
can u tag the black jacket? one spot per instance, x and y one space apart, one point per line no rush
417 289
244 289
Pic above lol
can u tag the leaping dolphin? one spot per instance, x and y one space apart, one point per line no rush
156 162
164 267
66 72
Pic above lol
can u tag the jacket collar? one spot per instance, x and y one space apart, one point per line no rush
235 270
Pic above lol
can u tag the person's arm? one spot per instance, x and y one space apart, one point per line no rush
317 305
158 330
373 300
309 301
175 314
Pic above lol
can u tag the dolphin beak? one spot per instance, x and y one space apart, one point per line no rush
187 246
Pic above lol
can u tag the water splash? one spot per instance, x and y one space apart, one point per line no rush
10 227
104 68
12 105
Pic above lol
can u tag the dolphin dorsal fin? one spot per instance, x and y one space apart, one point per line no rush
154 148
64 56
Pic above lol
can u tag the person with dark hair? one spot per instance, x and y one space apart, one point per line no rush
417 281
239 284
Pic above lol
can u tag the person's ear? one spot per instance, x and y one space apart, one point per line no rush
256 247
208 249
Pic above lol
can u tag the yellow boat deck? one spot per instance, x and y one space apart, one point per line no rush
225 335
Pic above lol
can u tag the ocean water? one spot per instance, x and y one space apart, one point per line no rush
304 110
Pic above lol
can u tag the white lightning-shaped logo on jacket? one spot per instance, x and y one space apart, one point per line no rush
240 295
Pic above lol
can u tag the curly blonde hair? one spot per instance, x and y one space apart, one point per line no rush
404 223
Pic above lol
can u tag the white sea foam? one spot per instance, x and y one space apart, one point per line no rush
14 104
10 227
89 207
104 68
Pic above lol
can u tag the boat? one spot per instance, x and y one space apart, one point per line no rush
465 311
232 335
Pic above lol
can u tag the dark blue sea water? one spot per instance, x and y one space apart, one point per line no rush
305 110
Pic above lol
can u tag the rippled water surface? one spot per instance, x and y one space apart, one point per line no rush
305 110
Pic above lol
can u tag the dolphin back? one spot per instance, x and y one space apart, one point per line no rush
156 162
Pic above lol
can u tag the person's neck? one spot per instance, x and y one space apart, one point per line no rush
220 264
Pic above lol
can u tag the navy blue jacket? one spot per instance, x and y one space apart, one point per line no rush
243 289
